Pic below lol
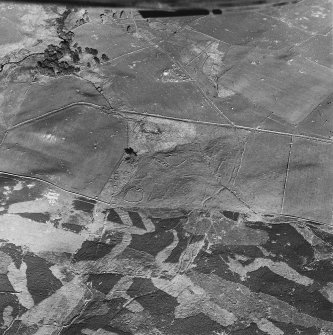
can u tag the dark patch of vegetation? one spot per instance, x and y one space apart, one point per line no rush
105 58
136 220
38 217
52 65
91 51
75 56
84 205
130 29
217 11
75 228
104 282
40 280
113 216
92 250
130 151
131 154
231 215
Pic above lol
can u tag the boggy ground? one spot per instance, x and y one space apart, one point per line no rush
166 175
